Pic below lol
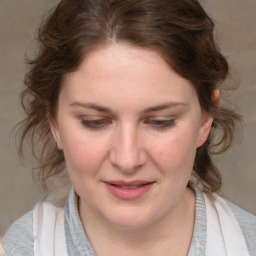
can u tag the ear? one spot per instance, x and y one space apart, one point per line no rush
205 127
54 130
207 119
216 98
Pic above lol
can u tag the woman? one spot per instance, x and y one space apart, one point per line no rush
125 95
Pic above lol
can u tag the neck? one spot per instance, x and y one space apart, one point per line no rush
170 235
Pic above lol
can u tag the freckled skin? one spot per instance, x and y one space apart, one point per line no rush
128 80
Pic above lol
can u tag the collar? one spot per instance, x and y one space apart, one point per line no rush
79 244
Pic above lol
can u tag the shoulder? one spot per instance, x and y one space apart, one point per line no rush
19 241
245 219
247 222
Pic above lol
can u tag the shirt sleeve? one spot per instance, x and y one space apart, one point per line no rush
18 240
247 223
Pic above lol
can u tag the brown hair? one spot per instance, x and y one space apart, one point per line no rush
180 30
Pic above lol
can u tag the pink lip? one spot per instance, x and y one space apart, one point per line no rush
128 193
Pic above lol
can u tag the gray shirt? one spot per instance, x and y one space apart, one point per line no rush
18 240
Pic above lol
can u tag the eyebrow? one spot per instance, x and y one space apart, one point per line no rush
108 110
91 106
164 106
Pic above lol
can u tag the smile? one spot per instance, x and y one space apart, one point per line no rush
128 190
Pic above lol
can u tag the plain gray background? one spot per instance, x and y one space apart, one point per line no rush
236 30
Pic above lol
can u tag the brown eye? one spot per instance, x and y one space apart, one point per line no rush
95 124
161 124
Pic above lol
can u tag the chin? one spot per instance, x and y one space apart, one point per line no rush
128 219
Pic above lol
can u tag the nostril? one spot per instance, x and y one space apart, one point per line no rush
127 164
127 153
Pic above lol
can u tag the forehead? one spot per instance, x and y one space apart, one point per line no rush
131 73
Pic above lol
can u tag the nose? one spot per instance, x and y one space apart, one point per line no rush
127 151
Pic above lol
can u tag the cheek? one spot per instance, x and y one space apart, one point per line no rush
175 153
83 155
83 165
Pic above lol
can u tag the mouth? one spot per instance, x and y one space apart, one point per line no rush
127 187
129 190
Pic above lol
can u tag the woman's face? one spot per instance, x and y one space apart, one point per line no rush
129 127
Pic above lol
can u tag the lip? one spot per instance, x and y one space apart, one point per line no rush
128 190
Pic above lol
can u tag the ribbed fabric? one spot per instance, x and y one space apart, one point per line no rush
198 243
77 240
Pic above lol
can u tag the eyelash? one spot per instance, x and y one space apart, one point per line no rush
100 124
162 124
97 124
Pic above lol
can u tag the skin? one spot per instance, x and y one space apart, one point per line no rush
126 115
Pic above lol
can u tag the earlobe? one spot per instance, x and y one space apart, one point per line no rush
207 120
54 130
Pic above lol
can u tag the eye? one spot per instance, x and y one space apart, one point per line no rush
161 124
96 124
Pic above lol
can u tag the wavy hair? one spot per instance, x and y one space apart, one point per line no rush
180 30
